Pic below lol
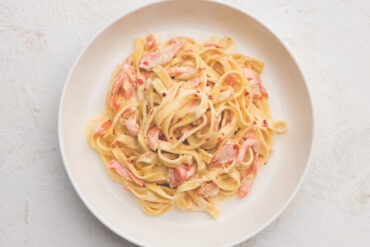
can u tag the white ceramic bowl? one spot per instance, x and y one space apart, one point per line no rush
84 94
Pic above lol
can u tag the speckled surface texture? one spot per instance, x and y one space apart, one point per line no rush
39 41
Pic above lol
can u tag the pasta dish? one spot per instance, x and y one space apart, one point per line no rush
186 124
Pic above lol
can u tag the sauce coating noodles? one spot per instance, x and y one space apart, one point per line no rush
186 124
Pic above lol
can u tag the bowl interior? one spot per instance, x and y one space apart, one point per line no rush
85 93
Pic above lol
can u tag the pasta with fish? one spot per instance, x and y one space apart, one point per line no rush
186 124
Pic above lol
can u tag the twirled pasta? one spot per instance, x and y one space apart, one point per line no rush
186 124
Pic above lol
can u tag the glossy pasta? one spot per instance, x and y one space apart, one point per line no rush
186 124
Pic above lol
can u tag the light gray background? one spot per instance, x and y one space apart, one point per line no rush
39 41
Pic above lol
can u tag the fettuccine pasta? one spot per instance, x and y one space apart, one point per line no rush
187 124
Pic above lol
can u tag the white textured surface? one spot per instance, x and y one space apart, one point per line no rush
39 40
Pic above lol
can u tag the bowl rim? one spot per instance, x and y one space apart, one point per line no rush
137 8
